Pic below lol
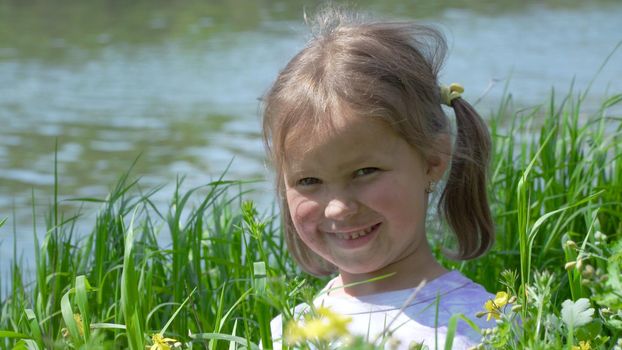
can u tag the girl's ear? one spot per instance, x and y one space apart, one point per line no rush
439 158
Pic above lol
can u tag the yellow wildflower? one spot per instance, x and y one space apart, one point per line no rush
493 306
583 345
161 343
78 319
318 328
323 325
338 323
294 333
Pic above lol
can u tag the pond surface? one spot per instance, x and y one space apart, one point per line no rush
178 84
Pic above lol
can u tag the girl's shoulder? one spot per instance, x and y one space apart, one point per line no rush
467 298
460 290
451 287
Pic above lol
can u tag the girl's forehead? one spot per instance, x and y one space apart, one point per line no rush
308 137
319 128
310 127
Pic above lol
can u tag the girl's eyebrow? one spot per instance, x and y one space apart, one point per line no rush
361 158
295 171
296 168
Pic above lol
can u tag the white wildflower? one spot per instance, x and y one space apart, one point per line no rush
577 314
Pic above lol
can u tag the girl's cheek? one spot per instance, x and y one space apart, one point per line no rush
388 197
378 192
304 211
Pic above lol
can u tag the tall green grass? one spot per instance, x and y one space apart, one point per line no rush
550 181
556 190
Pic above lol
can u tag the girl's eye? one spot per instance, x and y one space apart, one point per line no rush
365 171
308 181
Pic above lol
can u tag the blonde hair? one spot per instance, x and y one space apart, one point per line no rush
384 70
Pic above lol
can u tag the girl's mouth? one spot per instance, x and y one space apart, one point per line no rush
347 236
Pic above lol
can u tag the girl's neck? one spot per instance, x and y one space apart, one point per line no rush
402 275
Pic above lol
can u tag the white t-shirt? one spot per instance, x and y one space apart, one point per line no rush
372 313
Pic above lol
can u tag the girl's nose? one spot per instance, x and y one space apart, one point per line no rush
338 209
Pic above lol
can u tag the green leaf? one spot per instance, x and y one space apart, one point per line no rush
129 291
134 332
26 344
259 273
613 100
82 287
227 337
104 325
452 326
176 312
35 330
67 312
590 331
616 324
11 334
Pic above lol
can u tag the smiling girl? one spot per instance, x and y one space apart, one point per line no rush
356 133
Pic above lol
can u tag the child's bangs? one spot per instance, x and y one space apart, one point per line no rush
309 115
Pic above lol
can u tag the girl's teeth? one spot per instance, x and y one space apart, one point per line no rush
355 235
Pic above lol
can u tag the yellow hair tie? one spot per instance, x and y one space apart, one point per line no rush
450 93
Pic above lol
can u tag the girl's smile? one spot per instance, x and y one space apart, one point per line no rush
350 239
350 234
356 195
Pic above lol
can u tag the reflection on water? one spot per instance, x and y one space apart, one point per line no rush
178 83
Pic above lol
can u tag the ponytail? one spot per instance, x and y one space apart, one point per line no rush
464 201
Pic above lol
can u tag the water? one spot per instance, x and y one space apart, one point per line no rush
178 84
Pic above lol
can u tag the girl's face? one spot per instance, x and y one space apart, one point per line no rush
356 195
